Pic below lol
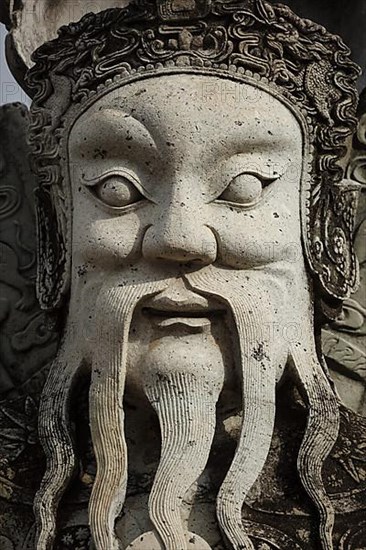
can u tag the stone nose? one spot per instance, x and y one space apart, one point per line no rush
180 235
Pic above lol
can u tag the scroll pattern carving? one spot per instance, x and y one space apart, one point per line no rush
28 336
344 341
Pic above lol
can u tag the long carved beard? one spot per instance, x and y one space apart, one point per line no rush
184 417
183 385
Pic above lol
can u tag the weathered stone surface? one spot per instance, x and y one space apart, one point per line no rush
194 233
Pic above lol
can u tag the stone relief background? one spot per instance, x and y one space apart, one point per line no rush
28 337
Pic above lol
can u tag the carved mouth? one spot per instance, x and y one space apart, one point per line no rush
193 318
178 305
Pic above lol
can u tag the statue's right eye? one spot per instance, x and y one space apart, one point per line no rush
117 191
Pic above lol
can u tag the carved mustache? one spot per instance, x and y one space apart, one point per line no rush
257 359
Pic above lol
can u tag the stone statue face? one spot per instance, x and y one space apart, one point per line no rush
173 174
185 170
179 175
188 280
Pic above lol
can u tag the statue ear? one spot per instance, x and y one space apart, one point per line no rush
53 274
332 252
53 194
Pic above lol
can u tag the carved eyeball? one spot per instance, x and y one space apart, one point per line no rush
117 191
243 189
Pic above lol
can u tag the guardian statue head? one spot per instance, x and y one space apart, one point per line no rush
195 225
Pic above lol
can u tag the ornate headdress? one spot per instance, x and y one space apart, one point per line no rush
252 40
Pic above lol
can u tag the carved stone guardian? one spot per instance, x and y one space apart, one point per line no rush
195 232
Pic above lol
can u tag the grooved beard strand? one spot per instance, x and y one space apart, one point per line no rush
320 435
115 307
258 396
180 402
258 410
55 436
186 407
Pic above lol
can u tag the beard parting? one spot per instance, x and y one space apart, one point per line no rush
251 313
185 403
115 307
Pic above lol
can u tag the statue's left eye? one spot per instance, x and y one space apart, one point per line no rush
117 191
245 189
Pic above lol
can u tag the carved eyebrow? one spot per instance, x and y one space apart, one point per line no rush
109 126
257 164
246 145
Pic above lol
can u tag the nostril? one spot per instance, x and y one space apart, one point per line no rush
197 262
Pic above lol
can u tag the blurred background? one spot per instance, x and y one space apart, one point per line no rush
10 89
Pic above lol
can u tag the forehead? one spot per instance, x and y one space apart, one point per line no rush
204 108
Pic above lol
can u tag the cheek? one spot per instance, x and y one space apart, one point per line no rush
109 242
254 238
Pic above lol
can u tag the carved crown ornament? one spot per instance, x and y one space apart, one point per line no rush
267 45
